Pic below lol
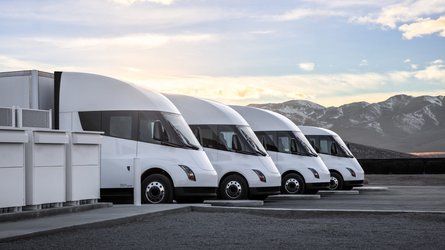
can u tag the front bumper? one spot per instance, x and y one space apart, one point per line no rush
353 183
264 190
205 192
317 186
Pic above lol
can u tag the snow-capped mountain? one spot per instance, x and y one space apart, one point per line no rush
402 123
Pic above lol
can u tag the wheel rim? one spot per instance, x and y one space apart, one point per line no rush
233 189
155 192
292 185
334 183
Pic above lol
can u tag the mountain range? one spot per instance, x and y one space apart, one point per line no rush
402 123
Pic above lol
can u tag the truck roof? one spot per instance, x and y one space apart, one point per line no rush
200 111
265 120
309 130
90 92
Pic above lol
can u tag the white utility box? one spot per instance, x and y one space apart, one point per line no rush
83 167
46 168
12 168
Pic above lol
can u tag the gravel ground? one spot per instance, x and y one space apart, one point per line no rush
201 230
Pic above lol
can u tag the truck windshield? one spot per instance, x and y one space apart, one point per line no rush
182 130
330 145
303 143
345 150
238 139
253 141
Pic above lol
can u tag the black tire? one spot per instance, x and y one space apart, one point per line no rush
233 187
292 184
157 188
347 187
336 181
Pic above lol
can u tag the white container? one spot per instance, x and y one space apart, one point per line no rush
46 167
12 167
83 166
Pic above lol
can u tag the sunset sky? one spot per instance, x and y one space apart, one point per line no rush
237 51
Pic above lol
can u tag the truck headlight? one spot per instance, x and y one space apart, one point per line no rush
315 173
261 176
351 171
189 172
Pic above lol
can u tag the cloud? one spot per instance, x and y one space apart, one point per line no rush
434 72
262 32
437 62
423 27
407 60
8 63
363 62
106 17
301 13
307 66
326 89
412 18
244 90
403 12
140 41
130 2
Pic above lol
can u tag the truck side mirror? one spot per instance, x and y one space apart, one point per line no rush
293 146
236 143
334 149
157 131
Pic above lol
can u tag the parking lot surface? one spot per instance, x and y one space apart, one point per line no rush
201 230
407 198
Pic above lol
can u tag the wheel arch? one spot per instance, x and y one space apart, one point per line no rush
156 170
236 173
336 171
293 172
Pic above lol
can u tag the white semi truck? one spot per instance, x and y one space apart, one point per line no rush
244 168
140 126
346 172
302 170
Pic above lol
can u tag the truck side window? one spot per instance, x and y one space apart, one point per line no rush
146 124
325 147
267 139
208 135
91 120
283 141
120 124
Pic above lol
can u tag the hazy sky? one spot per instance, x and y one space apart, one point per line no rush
237 51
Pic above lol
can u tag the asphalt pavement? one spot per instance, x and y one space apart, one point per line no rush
405 198
400 217
201 230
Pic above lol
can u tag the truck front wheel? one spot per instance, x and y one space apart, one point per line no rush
233 187
157 188
336 181
292 184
